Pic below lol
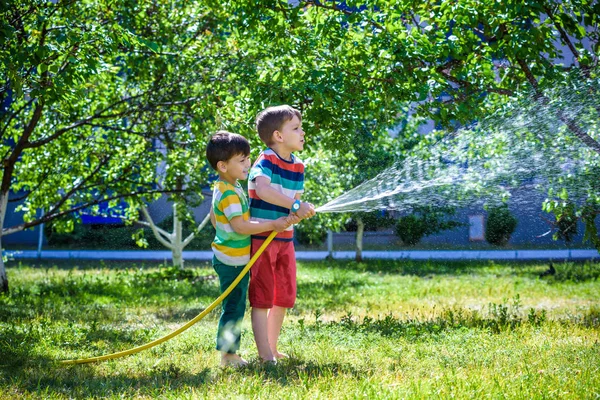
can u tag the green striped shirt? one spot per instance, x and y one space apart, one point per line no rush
229 201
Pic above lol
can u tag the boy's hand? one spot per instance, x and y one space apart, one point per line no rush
306 210
282 223
292 219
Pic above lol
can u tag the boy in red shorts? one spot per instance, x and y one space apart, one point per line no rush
275 184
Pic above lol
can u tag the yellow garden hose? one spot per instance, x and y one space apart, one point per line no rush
186 326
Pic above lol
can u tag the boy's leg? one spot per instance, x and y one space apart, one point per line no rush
260 294
261 336
233 308
285 293
275 322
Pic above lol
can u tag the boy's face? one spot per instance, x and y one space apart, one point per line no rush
236 168
292 135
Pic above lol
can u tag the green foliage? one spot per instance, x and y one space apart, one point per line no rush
567 214
500 225
574 272
176 273
117 100
106 236
366 63
566 222
312 231
373 221
425 221
410 229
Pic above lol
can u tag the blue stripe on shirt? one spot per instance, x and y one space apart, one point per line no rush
277 170
263 205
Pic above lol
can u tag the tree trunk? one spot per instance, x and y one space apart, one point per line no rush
329 244
360 230
177 242
173 241
3 276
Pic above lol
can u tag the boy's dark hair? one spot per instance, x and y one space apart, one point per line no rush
224 145
272 118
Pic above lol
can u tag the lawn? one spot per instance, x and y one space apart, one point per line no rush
379 329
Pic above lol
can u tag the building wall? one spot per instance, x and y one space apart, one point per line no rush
27 237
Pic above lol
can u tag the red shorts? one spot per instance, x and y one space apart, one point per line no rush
273 275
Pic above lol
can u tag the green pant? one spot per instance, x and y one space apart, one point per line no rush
234 306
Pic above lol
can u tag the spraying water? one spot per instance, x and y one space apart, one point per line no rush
525 145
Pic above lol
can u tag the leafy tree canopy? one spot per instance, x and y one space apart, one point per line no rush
370 63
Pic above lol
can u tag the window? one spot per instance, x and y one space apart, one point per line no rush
476 227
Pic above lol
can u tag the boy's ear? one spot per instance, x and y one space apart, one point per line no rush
222 166
277 136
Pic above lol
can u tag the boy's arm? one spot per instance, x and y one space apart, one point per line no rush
244 227
306 210
213 219
270 195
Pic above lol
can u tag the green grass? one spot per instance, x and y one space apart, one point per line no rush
380 329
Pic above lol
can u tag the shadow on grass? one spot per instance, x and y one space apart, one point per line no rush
81 381
18 346
184 315
293 370
17 355
40 377
92 297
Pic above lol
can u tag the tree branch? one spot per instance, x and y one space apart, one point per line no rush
161 231
98 115
505 92
580 133
445 70
563 35
573 127
200 227
565 38
8 163
156 230
529 75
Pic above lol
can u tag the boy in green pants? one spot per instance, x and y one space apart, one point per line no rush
228 153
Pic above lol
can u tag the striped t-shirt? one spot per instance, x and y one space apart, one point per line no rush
286 177
230 247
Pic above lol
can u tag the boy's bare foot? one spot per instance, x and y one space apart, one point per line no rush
279 355
232 360
272 361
